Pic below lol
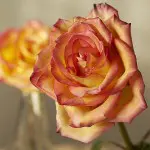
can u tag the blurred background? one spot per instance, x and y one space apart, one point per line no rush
14 13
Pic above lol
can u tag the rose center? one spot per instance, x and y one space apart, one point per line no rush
82 60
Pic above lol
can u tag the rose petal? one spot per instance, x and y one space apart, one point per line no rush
104 11
63 25
129 61
100 30
110 76
60 77
120 29
59 51
79 43
42 77
131 102
84 116
85 134
8 53
59 68
45 83
65 97
106 85
80 27
17 79
79 19
93 80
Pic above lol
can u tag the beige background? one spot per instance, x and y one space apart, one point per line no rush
16 12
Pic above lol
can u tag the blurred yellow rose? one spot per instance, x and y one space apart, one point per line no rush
18 50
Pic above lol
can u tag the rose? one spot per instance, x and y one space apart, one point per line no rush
18 51
90 69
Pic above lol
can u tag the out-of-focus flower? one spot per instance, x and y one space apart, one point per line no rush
18 51
93 74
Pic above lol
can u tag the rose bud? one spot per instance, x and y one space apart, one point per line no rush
90 70
18 51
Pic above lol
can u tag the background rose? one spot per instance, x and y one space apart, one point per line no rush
18 50
93 74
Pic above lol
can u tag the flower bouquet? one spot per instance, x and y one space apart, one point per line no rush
87 65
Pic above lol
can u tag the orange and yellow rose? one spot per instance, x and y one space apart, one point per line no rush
90 69
18 51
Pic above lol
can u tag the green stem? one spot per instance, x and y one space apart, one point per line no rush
125 136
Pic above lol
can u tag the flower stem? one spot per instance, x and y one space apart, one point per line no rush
125 136
36 103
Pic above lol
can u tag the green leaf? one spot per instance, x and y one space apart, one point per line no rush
97 145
